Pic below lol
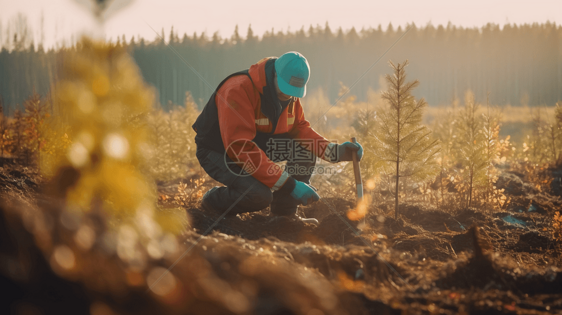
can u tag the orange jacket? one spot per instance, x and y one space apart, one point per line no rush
240 117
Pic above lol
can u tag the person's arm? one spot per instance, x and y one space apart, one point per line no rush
237 124
302 130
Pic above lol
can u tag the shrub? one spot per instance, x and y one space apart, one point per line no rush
173 154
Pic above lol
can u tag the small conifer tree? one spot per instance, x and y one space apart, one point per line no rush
36 113
16 134
555 135
471 149
402 145
364 124
539 137
492 146
444 130
552 142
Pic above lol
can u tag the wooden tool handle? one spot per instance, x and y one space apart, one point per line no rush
357 172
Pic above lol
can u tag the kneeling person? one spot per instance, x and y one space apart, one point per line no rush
239 133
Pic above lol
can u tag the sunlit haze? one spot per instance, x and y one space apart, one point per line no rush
65 20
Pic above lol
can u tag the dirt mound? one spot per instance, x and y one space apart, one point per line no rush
423 246
462 242
483 271
499 275
392 227
320 210
18 180
251 226
512 183
336 229
540 281
430 220
467 217
479 271
533 242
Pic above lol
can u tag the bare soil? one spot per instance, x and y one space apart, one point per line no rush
429 260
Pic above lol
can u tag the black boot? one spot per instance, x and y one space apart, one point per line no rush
284 208
283 204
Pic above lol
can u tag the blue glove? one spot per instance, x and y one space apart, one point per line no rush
304 193
346 149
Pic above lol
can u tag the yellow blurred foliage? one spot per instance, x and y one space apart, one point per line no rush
105 103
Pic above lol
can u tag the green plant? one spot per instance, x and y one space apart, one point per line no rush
36 113
173 155
538 139
364 125
444 129
103 92
555 135
470 151
493 148
15 135
553 142
402 145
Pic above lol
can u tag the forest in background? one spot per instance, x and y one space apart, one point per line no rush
516 64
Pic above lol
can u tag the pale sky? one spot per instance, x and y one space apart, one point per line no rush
66 18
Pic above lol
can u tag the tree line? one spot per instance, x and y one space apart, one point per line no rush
516 64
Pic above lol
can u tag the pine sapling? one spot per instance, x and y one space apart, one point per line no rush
538 136
556 131
444 130
490 131
471 149
553 141
17 134
364 124
402 145
36 112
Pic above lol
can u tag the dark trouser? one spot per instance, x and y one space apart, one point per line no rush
250 193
